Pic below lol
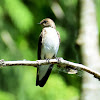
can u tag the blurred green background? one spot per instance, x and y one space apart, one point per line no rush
19 33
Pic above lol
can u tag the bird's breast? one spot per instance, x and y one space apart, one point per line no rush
50 42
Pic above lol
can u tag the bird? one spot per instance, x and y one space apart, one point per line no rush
48 45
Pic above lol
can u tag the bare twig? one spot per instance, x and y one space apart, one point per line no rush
60 62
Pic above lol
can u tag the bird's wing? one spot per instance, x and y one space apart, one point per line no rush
39 46
39 57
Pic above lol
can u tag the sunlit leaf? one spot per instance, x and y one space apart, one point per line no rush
20 15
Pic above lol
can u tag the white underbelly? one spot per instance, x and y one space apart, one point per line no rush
50 44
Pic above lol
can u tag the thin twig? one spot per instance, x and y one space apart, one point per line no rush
60 62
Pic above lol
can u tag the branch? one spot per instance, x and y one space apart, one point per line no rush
60 62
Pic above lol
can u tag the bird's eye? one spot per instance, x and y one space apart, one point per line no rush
45 21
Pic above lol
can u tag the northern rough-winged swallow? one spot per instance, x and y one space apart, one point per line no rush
48 46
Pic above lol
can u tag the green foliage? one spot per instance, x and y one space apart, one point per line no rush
98 13
6 96
19 34
20 15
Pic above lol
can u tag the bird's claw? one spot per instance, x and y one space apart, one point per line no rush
59 59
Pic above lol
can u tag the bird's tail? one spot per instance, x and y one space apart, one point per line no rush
43 73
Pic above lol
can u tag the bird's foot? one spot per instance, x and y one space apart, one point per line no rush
47 60
59 59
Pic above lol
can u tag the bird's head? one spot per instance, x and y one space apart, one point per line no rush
47 22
